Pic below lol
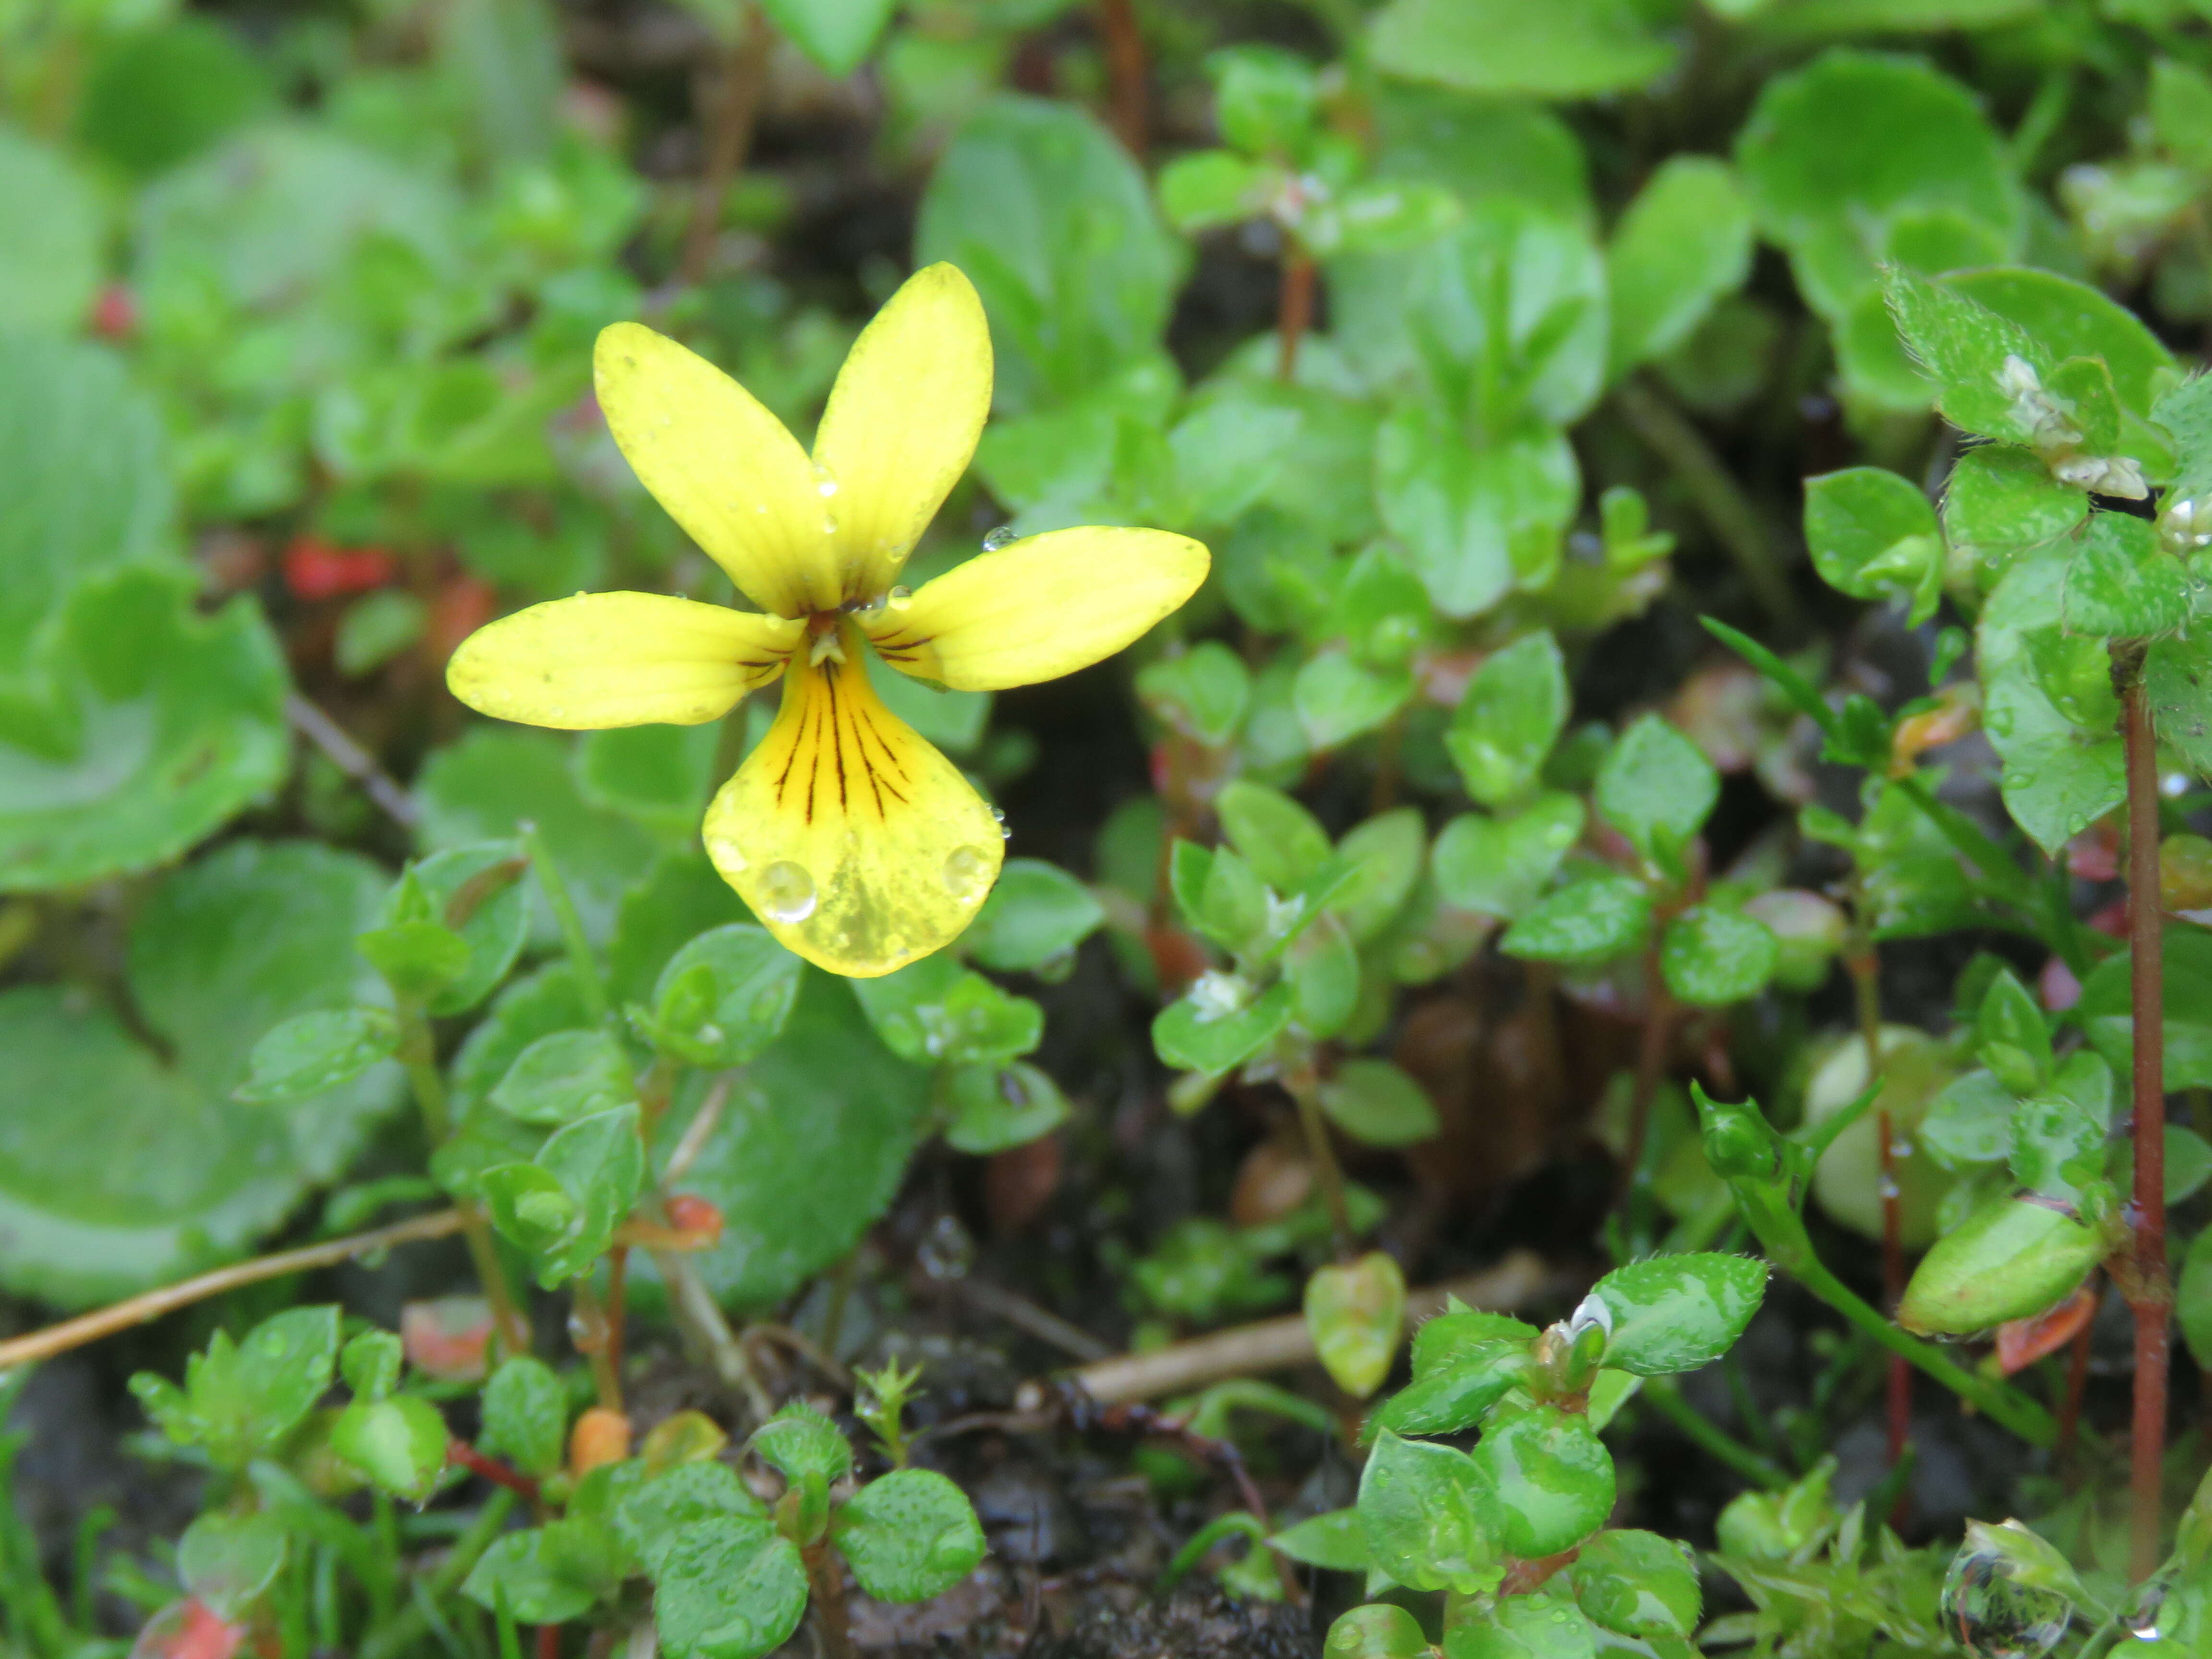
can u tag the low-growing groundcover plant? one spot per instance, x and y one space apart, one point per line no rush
1472 738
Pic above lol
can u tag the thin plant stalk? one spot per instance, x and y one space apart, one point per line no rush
1304 1089
1652 1040
1702 1431
2077 1383
590 985
1294 309
1864 967
594 1337
825 1577
419 1058
1124 73
2150 1296
734 107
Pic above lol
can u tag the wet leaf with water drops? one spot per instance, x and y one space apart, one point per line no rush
2009 1595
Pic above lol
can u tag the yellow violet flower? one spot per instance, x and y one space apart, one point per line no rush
855 841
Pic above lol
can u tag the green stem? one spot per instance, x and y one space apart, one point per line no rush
590 983
1304 1089
1708 1436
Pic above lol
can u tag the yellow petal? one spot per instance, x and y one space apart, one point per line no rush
902 422
602 659
1039 608
723 467
858 844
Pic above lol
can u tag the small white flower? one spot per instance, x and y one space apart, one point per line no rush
1217 995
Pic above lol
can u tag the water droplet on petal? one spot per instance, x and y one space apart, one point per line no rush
898 598
1002 537
786 892
967 871
729 858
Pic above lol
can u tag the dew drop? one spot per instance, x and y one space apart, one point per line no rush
729 856
825 482
898 598
828 523
786 892
1002 537
967 871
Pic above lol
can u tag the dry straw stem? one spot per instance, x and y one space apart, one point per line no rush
1275 1345
105 1321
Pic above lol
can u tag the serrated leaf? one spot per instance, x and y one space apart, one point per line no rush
909 1536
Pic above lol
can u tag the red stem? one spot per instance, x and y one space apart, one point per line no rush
1865 968
460 1452
549 1642
1294 309
2150 1296
1125 72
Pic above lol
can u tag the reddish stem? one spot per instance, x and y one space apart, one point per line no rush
460 1452
549 1642
2077 1383
1125 72
1294 309
1865 969
2150 1296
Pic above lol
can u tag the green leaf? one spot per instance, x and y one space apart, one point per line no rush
1427 1514
1384 856
483 788
2123 584
148 727
2011 1037
1209 188
803 1445
661 912
1656 788
1338 698
1675 1313
399 1443
1684 242
1542 1625
566 1076
526 1416
2177 684
796 1190
1512 712
1203 693
519 1575
370 1363
1381 1630
419 960
909 1536
1834 151
227 1561
2002 501
1460 1329
989 1108
653 1519
181 1176
1586 922
1462 511
1989 372
1711 955
51 262
2071 319
1053 221
1356 1312
2193 1305
1035 916
1265 100
732 1588
1456 1392
1638 1583
1332 1538
241 1399
2011 1258
310 1054
1572 50
564 1207
661 775
726 995
1283 844
1969 1123
931 1010
1500 867
1321 967
1376 1102
2057 1147
836 34
1551 1481
478 893
2057 780
1217 1025
156 96
1874 536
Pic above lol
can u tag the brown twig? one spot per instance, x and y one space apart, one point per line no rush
139 1310
1125 72
699 1319
549 1642
1274 1345
1294 308
2150 1296
349 757
735 106
468 1457
825 1577
1024 1314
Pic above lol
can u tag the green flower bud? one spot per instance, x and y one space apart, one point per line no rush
2012 1259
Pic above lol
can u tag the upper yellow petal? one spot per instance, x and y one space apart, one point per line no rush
603 660
1039 608
854 840
723 467
902 421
